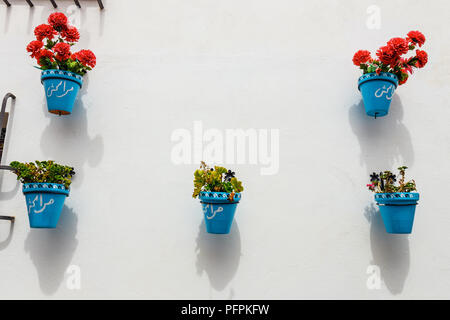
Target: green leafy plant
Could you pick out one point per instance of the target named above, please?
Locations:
(385, 182)
(217, 179)
(43, 171)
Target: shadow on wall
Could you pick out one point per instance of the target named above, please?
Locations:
(390, 252)
(218, 255)
(384, 141)
(6, 19)
(4, 243)
(51, 250)
(8, 195)
(67, 136)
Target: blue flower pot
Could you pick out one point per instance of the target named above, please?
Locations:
(377, 92)
(397, 210)
(44, 203)
(218, 211)
(61, 89)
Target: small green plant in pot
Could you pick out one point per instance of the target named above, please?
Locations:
(397, 201)
(45, 186)
(219, 192)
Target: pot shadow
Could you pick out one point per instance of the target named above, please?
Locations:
(218, 255)
(67, 136)
(51, 250)
(7, 18)
(5, 243)
(8, 195)
(384, 141)
(390, 252)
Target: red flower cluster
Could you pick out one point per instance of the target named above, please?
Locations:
(390, 57)
(71, 34)
(58, 21)
(62, 51)
(416, 37)
(422, 58)
(361, 56)
(398, 45)
(44, 31)
(44, 53)
(86, 57)
(57, 54)
(34, 47)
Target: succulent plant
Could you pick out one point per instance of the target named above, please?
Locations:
(43, 171)
(217, 179)
(385, 182)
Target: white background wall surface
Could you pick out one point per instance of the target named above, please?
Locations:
(308, 230)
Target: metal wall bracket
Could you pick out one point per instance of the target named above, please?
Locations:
(2, 117)
(3, 110)
(55, 5)
(10, 218)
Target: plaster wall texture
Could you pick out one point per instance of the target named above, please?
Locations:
(308, 229)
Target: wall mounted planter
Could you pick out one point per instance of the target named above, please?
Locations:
(397, 210)
(61, 89)
(44, 203)
(218, 211)
(377, 92)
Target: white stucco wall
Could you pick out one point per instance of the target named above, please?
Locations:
(311, 230)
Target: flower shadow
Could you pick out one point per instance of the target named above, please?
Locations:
(66, 138)
(4, 243)
(51, 250)
(390, 252)
(218, 255)
(385, 141)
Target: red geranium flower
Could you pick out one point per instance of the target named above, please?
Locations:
(399, 45)
(71, 34)
(44, 53)
(361, 56)
(34, 47)
(422, 58)
(388, 55)
(416, 37)
(62, 50)
(86, 57)
(44, 31)
(58, 21)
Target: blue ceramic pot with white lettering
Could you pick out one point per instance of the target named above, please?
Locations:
(218, 210)
(44, 203)
(397, 210)
(377, 92)
(61, 89)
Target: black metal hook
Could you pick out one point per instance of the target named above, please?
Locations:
(10, 218)
(3, 110)
(55, 5)
(2, 117)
